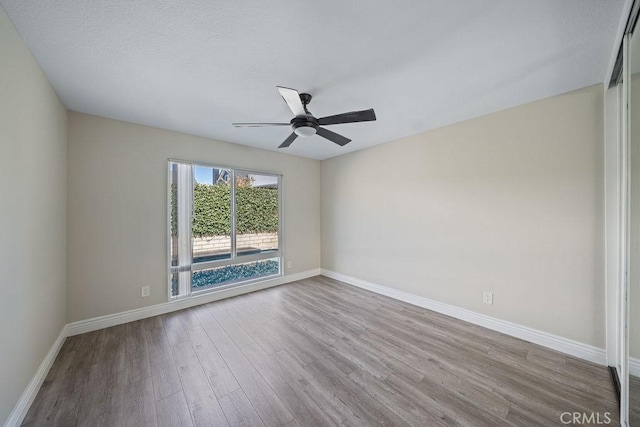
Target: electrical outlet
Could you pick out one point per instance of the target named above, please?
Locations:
(144, 291)
(487, 297)
(288, 263)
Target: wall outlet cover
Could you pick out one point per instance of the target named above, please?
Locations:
(487, 297)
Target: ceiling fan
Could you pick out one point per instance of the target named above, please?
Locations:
(304, 124)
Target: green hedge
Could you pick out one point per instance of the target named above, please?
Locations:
(257, 210)
(211, 210)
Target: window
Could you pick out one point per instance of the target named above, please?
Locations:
(224, 227)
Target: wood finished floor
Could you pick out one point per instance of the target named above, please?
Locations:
(314, 352)
(634, 401)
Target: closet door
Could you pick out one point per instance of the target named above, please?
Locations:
(633, 293)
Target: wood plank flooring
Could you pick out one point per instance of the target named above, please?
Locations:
(634, 401)
(314, 352)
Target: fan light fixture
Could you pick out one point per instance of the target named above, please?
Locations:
(305, 131)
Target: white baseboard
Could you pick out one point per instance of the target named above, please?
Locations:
(22, 406)
(554, 342)
(101, 322)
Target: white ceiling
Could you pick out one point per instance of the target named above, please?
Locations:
(197, 66)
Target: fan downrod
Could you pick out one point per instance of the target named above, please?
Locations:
(306, 99)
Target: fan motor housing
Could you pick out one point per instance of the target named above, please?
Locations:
(304, 126)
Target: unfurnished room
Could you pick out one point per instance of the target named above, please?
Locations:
(297, 213)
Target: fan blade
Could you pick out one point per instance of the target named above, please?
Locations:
(287, 142)
(259, 124)
(352, 117)
(292, 98)
(333, 137)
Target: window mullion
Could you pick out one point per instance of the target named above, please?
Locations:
(233, 215)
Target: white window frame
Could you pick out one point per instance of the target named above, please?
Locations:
(234, 258)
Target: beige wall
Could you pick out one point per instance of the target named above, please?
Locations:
(33, 216)
(118, 209)
(511, 203)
